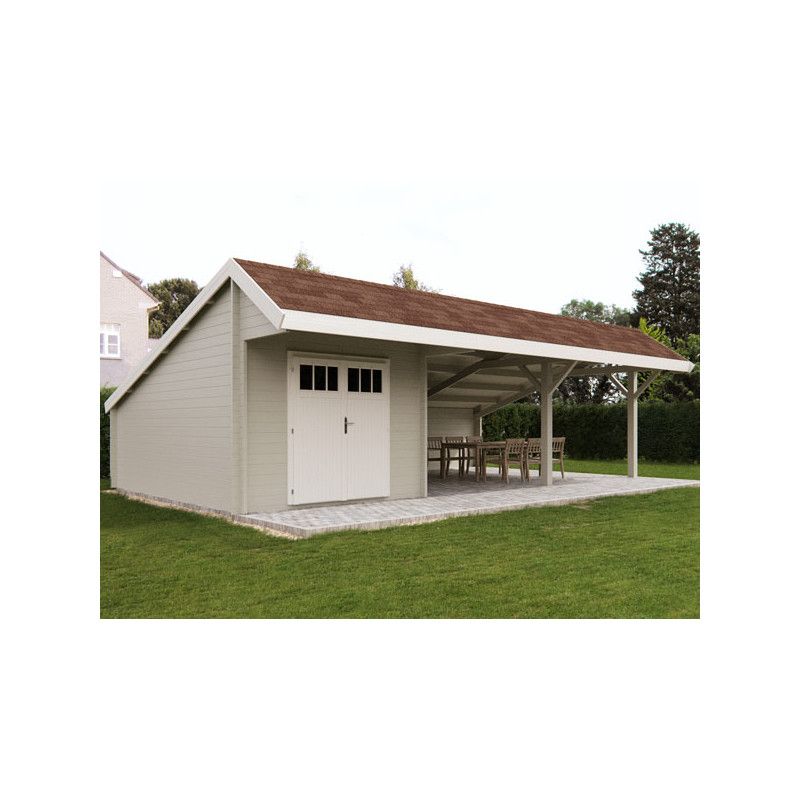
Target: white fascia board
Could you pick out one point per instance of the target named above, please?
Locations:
(414, 334)
(230, 271)
(261, 300)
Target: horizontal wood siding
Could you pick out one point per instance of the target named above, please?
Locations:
(173, 432)
(251, 321)
(450, 421)
(267, 419)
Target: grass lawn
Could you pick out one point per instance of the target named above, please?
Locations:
(636, 556)
(647, 469)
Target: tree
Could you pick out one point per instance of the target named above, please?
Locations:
(174, 295)
(675, 386)
(591, 389)
(304, 262)
(670, 293)
(405, 279)
(597, 312)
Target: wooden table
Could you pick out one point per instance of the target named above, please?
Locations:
(482, 450)
(445, 452)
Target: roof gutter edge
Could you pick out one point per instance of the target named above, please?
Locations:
(373, 329)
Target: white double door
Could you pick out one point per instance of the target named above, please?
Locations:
(338, 429)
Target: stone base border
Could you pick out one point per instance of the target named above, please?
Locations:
(235, 519)
(300, 532)
(292, 532)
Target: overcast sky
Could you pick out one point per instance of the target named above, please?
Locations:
(510, 154)
(527, 243)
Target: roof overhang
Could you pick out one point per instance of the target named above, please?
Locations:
(456, 341)
(371, 329)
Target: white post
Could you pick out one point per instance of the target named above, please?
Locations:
(633, 426)
(546, 424)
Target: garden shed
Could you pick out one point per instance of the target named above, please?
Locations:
(279, 388)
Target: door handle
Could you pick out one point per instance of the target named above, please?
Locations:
(347, 424)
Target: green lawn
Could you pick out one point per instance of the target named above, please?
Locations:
(636, 556)
(647, 469)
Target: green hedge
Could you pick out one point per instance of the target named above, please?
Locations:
(667, 431)
(105, 434)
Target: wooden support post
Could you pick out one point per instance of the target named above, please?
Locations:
(633, 426)
(546, 424)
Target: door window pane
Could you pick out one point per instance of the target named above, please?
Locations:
(319, 378)
(305, 376)
(377, 380)
(366, 380)
(333, 379)
(352, 379)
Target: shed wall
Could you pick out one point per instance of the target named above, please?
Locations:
(450, 421)
(208, 426)
(172, 434)
(267, 418)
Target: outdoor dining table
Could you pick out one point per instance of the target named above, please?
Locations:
(445, 453)
(483, 449)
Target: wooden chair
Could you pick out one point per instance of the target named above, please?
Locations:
(517, 451)
(454, 440)
(535, 453)
(558, 451)
(435, 449)
(471, 453)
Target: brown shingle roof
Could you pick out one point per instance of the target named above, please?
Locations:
(299, 290)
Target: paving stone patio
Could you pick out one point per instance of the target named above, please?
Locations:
(457, 497)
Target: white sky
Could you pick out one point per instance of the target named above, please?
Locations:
(535, 244)
(518, 152)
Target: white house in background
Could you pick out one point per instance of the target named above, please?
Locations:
(278, 387)
(125, 307)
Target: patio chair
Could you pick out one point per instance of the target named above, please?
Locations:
(516, 451)
(435, 449)
(454, 440)
(535, 453)
(471, 453)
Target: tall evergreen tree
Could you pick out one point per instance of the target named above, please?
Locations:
(670, 293)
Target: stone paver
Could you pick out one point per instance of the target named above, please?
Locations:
(454, 497)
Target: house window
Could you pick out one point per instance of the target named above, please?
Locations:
(110, 346)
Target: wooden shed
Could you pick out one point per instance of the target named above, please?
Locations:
(279, 387)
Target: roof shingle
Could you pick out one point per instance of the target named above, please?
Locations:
(318, 293)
